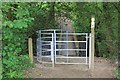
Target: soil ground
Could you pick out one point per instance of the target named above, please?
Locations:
(102, 69)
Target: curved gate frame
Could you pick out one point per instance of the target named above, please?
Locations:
(52, 43)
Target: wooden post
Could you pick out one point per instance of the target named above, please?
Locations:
(92, 42)
(30, 47)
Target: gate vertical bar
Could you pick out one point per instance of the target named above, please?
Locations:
(52, 50)
(86, 47)
(37, 43)
(40, 46)
(90, 51)
(52, 54)
(67, 43)
(55, 46)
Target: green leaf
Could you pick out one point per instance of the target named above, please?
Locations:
(20, 24)
(9, 23)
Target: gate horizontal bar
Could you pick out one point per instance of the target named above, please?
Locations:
(46, 49)
(46, 33)
(70, 41)
(46, 41)
(70, 57)
(74, 33)
(47, 56)
(69, 63)
(70, 49)
(51, 37)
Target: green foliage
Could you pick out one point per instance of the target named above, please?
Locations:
(16, 21)
(12, 66)
(106, 25)
(117, 73)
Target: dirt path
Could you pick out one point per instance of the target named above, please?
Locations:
(103, 69)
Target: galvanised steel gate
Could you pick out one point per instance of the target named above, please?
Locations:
(62, 47)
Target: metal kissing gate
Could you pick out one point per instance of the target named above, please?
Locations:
(62, 47)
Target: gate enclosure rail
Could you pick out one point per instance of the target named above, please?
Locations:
(56, 46)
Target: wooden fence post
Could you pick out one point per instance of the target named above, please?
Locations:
(30, 48)
(92, 42)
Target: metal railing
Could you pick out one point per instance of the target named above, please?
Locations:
(68, 49)
(54, 44)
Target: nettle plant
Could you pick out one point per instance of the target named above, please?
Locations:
(15, 26)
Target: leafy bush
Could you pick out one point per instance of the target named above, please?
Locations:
(117, 73)
(13, 66)
(16, 22)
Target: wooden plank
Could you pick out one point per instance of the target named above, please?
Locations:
(30, 48)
